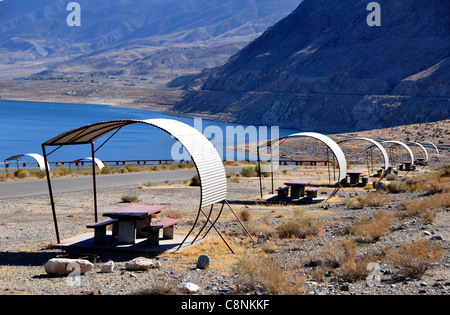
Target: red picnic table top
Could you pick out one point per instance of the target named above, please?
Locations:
(134, 212)
(298, 182)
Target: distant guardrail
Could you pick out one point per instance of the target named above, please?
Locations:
(15, 164)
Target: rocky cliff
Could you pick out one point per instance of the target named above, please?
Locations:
(324, 68)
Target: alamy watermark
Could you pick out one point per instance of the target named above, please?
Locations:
(374, 17)
(245, 139)
(73, 278)
(74, 17)
(374, 277)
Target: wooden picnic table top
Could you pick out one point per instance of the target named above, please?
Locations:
(298, 182)
(134, 212)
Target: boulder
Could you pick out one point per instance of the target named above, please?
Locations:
(108, 267)
(188, 287)
(66, 266)
(139, 263)
(203, 262)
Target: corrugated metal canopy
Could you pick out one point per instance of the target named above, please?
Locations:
(423, 148)
(337, 151)
(378, 145)
(39, 159)
(205, 157)
(435, 147)
(97, 161)
(404, 146)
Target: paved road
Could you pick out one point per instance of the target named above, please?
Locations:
(26, 188)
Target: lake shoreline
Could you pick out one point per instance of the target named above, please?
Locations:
(156, 97)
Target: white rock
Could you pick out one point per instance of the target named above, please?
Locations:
(108, 267)
(139, 263)
(189, 287)
(65, 266)
(157, 264)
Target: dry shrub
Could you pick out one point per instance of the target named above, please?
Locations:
(264, 272)
(300, 226)
(413, 259)
(444, 171)
(342, 256)
(397, 187)
(434, 183)
(245, 215)
(374, 228)
(377, 200)
(427, 207)
(354, 269)
(21, 173)
(129, 198)
(437, 186)
(370, 200)
(159, 287)
(249, 171)
(357, 203)
(262, 227)
(62, 172)
(174, 214)
(269, 247)
(429, 215)
(195, 181)
(335, 254)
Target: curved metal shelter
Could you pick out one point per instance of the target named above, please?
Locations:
(436, 148)
(423, 148)
(97, 161)
(204, 156)
(39, 159)
(331, 144)
(377, 144)
(404, 146)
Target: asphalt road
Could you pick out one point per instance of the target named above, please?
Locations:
(26, 188)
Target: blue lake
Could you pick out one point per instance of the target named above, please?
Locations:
(24, 126)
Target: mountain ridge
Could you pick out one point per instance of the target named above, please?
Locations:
(114, 33)
(323, 68)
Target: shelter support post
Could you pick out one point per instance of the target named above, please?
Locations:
(204, 225)
(271, 168)
(239, 221)
(212, 226)
(52, 201)
(94, 181)
(259, 165)
(217, 218)
(219, 233)
(192, 229)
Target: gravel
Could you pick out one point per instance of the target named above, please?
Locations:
(26, 230)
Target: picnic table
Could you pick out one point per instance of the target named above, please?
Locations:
(354, 177)
(408, 166)
(132, 219)
(297, 188)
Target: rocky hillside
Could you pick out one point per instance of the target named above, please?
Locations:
(132, 37)
(323, 68)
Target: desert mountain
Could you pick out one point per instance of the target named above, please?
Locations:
(137, 37)
(324, 68)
